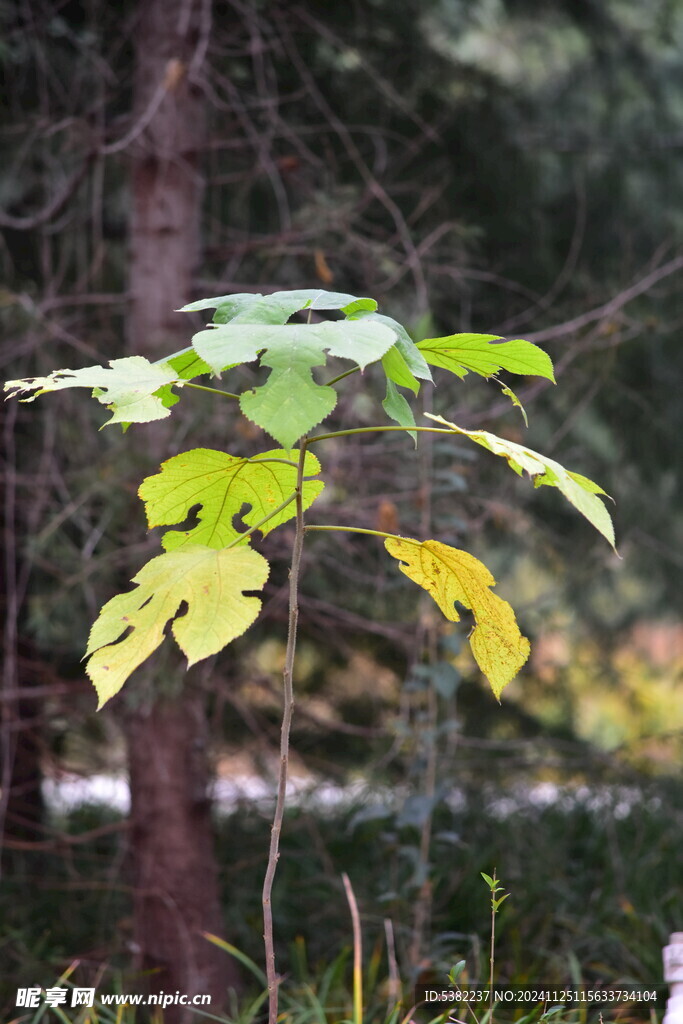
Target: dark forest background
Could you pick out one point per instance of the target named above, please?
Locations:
(498, 166)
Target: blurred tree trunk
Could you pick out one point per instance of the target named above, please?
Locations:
(176, 887)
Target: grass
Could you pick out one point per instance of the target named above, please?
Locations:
(595, 891)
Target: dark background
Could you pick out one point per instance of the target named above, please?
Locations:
(502, 167)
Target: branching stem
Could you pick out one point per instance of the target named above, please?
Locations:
(288, 707)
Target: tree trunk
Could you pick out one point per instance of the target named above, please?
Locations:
(176, 887)
(176, 890)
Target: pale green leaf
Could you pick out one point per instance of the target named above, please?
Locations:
(398, 409)
(291, 402)
(486, 354)
(128, 387)
(223, 484)
(451, 575)
(579, 490)
(211, 583)
(307, 298)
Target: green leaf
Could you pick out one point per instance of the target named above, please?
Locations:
(579, 490)
(223, 484)
(451, 575)
(487, 878)
(187, 365)
(405, 345)
(128, 387)
(397, 370)
(509, 393)
(359, 306)
(307, 298)
(291, 402)
(486, 354)
(397, 409)
(211, 583)
(456, 971)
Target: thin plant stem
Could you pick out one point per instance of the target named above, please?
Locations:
(346, 373)
(212, 391)
(262, 522)
(493, 943)
(357, 952)
(360, 529)
(376, 430)
(288, 708)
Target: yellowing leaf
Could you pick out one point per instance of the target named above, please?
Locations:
(450, 575)
(579, 490)
(486, 354)
(211, 583)
(127, 387)
(222, 484)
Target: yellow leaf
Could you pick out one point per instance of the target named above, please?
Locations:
(450, 575)
(211, 583)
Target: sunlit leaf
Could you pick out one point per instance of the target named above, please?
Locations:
(486, 354)
(127, 387)
(222, 485)
(509, 393)
(211, 583)
(450, 575)
(577, 489)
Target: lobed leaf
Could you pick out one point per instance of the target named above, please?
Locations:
(291, 402)
(223, 484)
(577, 489)
(486, 354)
(307, 298)
(128, 387)
(211, 583)
(451, 575)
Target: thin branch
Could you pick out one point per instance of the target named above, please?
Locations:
(288, 708)
(51, 209)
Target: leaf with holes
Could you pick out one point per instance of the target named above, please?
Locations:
(128, 387)
(223, 484)
(450, 575)
(486, 354)
(291, 402)
(577, 489)
(211, 583)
